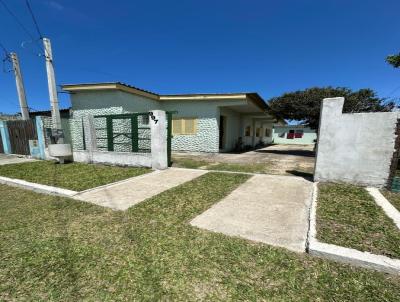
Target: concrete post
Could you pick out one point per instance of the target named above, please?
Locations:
(90, 133)
(5, 137)
(20, 86)
(158, 126)
(41, 138)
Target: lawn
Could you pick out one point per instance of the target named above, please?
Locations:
(348, 216)
(73, 176)
(53, 248)
(393, 198)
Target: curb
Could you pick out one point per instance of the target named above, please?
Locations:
(386, 206)
(37, 187)
(343, 254)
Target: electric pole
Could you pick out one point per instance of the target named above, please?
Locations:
(55, 112)
(20, 86)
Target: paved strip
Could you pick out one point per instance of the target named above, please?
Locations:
(267, 209)
(121, 196)
(7, 159)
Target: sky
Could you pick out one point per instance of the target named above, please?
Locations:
(171, 47)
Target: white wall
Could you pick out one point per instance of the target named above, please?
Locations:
(355, 148)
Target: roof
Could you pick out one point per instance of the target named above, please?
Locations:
(64, 111)
(253, 96)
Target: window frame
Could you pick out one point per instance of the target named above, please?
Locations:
(183, 125)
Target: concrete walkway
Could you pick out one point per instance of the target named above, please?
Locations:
(124, 194)
(269, 209)
(6, 159)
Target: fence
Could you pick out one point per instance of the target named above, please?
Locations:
(20, 132)
(125, 139)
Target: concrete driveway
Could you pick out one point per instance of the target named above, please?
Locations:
(281, 159)
(6, 159)
(272, 209)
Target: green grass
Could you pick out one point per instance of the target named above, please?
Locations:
(248, 168)
(348, 216)
(188, 163)
(59, 249)
(73, 176)
(393, 198)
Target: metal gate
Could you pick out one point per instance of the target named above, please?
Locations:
(20, 133)
(128, 132)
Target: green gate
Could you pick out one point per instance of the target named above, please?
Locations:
(128, 132)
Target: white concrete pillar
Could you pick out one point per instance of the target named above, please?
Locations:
(331, 110)
(158, 126)
(90, 133)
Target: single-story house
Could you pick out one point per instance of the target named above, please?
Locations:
(202, 123)
(294, 134)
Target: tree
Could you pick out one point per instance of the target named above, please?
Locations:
(304, 105)
(394, 60)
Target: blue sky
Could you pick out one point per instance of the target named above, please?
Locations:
(263, 46)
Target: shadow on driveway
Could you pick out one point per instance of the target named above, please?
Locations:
(305, 153)
(306, 175)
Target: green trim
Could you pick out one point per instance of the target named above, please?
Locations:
(135, 133)
(110, 139)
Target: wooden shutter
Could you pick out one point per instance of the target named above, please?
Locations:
(189, 126)
(176, 126)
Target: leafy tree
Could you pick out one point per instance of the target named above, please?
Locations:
(304, 105)
(394, 60)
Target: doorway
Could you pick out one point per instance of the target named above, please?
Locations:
(222, 129)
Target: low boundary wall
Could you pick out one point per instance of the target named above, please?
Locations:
(114, 158)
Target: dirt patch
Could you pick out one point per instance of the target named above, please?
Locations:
(278, 159)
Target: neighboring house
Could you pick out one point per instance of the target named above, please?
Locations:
(203, 122)
(294, 134)
(64, 113)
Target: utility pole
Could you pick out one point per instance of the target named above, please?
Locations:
(55, 112)
(20, 86)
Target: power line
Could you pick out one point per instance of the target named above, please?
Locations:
(20, 23)
(34, 19)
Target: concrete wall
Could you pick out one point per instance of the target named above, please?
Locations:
(355, 148)
(113, 158)
(280, 136)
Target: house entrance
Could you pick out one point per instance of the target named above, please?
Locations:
(222, 126)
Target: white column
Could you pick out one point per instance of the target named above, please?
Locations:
(90, 133)
(158, 126)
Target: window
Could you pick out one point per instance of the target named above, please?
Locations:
(268, 132)
(184, 125)
(298, 134)
(290, 135)
(247, 131)
(258, 132)
(145, 119)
